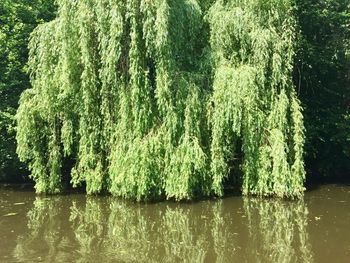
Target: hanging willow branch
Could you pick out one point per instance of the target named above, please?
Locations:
(153, 99)
(254, 99)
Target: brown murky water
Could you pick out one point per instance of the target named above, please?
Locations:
(76, 228)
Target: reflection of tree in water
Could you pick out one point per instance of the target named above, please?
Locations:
(184, 240)
(88, 222)
(107, 229)
(154, 233)
(44, 240)
(63, 229)
(278, 230)
(223, 234)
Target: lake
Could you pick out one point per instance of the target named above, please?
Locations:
(80, 228)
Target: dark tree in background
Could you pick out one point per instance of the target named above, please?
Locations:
(18, 18)
(322, 76)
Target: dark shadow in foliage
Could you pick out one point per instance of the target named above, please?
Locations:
(322, 76)
(18, 18)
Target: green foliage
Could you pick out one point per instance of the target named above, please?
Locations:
(255, 104)
(322, 76)
(17, 20)
(153, 99)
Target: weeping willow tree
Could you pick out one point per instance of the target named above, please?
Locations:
(256, 116)
(116, 89)
(131, 97)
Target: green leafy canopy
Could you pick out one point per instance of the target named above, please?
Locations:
(159, 99)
